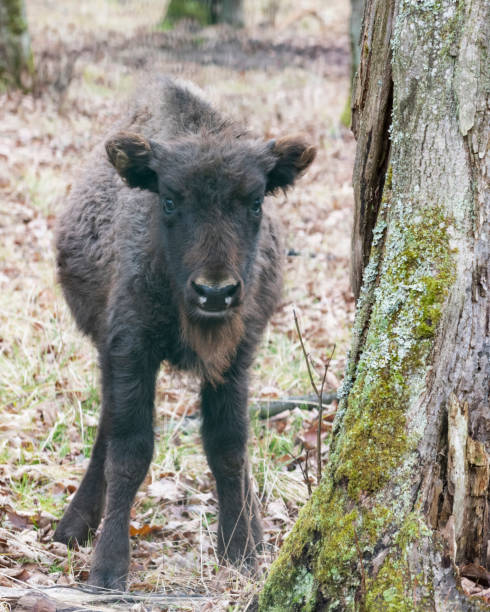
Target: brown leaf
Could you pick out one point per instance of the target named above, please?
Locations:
(19, 521)
(19, 573)
(144, 530)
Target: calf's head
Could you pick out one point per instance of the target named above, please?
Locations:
(211, 190)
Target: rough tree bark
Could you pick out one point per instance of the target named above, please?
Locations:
(405, 495)
(355, 23)
(16, 63)
(207, 12)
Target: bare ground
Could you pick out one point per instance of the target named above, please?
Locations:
(287, 78)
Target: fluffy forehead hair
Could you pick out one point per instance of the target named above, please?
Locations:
(241, 164)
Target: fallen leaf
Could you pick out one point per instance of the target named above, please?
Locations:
(166, 489)
(144, 530)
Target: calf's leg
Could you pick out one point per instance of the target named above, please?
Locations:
(128, 380)
(225, 434)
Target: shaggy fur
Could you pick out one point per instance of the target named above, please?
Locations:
(172, 208)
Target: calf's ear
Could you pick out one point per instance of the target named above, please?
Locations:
(291, 156)
(132, 157)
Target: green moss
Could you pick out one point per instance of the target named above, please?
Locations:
(17, 63)
(325, 545)
(388, 183)
(345, 117)
(377, 434)
(333, 563)
(387, 591)
(413, 529)
(287, 589)
(435, 290)
(187, 9)
(390, 589)
(415, 275)
(17, 23)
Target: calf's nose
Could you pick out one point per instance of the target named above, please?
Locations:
(216, 296)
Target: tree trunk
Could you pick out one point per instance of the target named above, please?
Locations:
(206, 12)
(356, 13)
(405, 495)
(355, 23)
(16, 63)
(228, 11)
(371, 116)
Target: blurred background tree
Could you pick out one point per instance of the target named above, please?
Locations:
(206, 12)
(16, 61)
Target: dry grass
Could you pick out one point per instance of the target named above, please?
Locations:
(91, 54)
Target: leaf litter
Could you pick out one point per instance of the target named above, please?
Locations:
(278, 80)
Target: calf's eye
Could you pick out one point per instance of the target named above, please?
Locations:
(169, 206)
(256, 206)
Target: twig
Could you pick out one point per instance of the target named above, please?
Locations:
(304, 470)
(319, 395)
(307, 358)
(269, 408)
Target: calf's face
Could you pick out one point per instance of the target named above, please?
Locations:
(211, 192)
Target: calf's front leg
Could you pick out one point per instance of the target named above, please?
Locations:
(225, 434)
(128, 381)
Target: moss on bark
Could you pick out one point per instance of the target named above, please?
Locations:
(334, 532)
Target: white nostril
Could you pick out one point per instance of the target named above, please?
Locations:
(202, 300)
(228, 300)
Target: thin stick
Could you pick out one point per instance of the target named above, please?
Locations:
(319, 394)
(307, 359)
(270, 408)
(304, 470)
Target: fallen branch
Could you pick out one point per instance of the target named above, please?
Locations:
(68, 599)
(265, 410)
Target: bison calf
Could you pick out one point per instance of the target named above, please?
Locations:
(178, 261)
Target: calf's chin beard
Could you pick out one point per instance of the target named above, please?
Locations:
(215, 342)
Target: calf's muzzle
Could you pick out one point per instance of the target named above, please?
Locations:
(215, 296)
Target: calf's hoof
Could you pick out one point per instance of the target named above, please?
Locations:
(73, 530)
(241, 555)
(108, 578)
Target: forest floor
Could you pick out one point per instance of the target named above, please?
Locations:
(286, 72)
